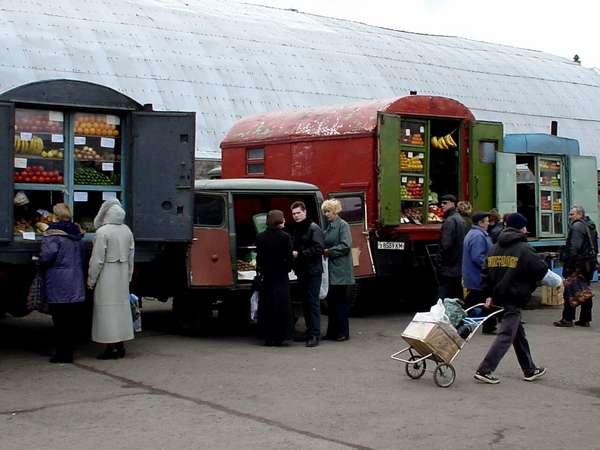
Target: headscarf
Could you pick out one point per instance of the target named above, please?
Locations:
(111, 211)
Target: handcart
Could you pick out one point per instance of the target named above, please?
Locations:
(440, 343)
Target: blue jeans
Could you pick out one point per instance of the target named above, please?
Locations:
(308, 288)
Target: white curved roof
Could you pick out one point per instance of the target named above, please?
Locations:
(225, 60)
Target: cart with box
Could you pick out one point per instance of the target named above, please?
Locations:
(439, 342)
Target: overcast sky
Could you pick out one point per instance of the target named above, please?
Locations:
(563, 28)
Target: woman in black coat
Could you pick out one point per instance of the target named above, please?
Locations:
(273, 263)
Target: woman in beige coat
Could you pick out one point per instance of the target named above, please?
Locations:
(110, 271)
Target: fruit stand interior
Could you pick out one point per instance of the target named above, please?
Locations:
(250, 219)
(63, 157)
(427, 168)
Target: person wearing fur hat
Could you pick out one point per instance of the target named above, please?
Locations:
(110, 272)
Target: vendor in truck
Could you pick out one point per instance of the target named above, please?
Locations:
(452, 236)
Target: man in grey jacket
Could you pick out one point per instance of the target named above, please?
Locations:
(452, 236)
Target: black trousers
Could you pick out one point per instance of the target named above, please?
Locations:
(67, 319)
(338, 304)
(511, 333)
(450, 287)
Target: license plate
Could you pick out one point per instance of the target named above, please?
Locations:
(382, 245)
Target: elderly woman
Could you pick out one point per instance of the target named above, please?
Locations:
(62, 262)
(338, 250)
(273, 263)
(110, 271)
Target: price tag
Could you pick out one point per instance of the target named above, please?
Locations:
(421, 156)
(113, 120)
(422, 130)
(58, 138)
(108, 195)
(407, 132)
(421, 180)
(20, 163)
(404, 179)
(55, 116)
(28, 235)
(107, 142)
(26, 136)
(80, 140)
(558, 176)
(410, 154)
(108, 167)
(80, 196)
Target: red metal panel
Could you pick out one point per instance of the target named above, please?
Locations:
(210, 261)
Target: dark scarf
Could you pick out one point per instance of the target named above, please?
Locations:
(66, 226)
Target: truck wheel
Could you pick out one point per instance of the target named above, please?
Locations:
(191, 314)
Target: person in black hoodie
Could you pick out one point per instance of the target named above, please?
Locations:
(510, 275)
(307, 238)
(579, 259)
(452, 236)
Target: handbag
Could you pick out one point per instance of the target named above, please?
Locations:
(136, 312)
(36, 297)
(577, 290)
(324, 289)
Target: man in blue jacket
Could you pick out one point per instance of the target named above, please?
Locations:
(476, 246)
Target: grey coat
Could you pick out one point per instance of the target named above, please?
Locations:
(453, 234)
(110, 271)
(338, 240)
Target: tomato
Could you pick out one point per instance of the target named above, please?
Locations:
(60, 179)
(33, 179)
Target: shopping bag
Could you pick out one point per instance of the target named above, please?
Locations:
(136, 312)
(324, 280)
(36, 298)
(437, 313)
(253, 305)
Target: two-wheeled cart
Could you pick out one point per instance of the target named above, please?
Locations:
(438, 342)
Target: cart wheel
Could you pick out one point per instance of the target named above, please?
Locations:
(444, 375)
(415, 370)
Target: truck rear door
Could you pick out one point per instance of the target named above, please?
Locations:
(354, 211)
(486, 140)
(209, 258)
(506, 183)
(388, 149)
(7, 128)
(583, 180)
(161, 189)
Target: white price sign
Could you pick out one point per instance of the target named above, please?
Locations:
(20, 163)
(28, 235)
(410, 154)
(26, 136)
(422, 130)
(113, 120)
(421, 156)
(80, 140)
(109, 195)
(108, 167)
(407, 132)
(404, 179)
(80, 196)
(55, 116)
(421, 180)
(58, 138)
(107, 142)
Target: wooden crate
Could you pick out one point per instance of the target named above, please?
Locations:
(439, 338)
(552, 296)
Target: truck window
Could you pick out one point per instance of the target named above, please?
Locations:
(352, 209)
(255, 161)
(209, 210)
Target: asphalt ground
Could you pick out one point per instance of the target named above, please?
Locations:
(226, 391)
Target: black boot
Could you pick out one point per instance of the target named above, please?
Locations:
(110, 352)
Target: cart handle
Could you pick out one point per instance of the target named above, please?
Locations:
(497, 308)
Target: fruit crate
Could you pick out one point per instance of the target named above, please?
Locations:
(411, 187)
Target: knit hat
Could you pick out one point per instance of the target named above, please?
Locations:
(479, 216)
(516, 220)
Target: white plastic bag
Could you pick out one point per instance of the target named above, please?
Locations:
(136, 312)
(324, 280)
(437, 313)
(253, 305)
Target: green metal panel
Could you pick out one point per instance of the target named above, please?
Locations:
(583, 182)
(484, 136)
(506, 185)
(388, 148)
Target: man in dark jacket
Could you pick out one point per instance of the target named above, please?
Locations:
(579, 257)
(511, 273)
(308, 247)
(453, 233)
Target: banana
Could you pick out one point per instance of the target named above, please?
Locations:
(442, 143)
(450, 141)
(434, 142)
(17, 144)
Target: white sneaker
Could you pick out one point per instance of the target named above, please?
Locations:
(539, 372)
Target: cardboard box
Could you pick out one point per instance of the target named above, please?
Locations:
(438, 338)
(552, 296)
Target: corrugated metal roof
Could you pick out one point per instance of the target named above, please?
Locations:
(226, 60)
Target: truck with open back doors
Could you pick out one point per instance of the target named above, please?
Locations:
(81, 144)
(388, 162)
